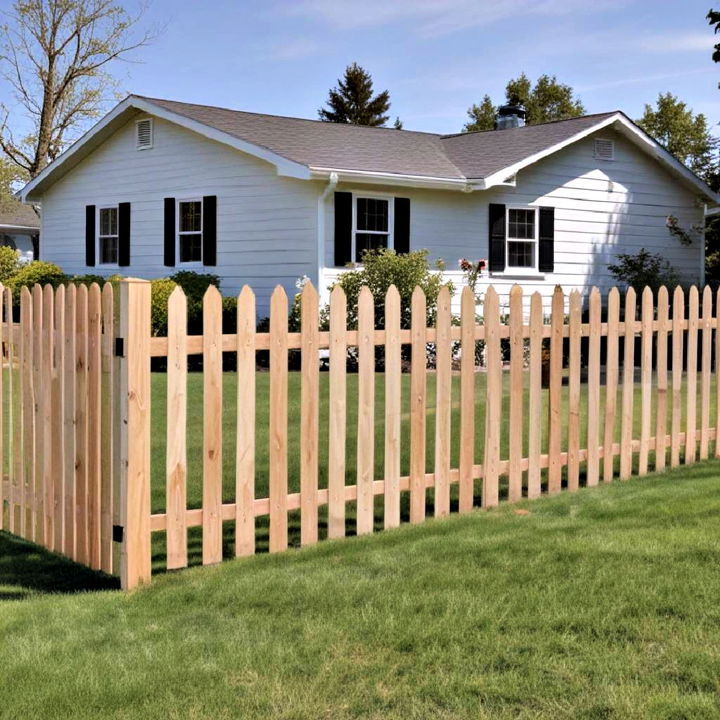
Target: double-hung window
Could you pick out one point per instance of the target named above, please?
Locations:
(522, 239)
(190, 230)
(108, 235)
(372, 225)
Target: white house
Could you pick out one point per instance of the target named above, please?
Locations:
(158, 186)
(19, 228)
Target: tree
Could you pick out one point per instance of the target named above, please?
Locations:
(713, 18)
(54, 56)
(352, 100)
(687, 136)
(398, 124)
(9, 176)
(548, 100)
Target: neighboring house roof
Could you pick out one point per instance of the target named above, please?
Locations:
(15, 215)
(310, 149)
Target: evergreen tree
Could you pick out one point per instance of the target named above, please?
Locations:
(398, 124)
(352, 100)
(548, 100)
(686, 135)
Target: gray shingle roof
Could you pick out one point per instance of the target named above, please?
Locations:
(384, 150)
(15, 214)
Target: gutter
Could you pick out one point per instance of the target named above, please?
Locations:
(377, 178)
(333, 180)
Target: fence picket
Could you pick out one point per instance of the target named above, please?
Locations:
(366, 412)
(47, 470)
(278, 420)
(467, 400)
(309, 416)
(555, 393)
(611, 383)
(443, 403)
(692, 356)
(81, 426)
(706, 369)
(58, 410)
(646, 343)
(661, 379)
(338, 413)
(493, 401)
(176, 428)
(212, 426)
(418, 373)
(94, 467)
(717, 373)
(69, 439)
(39, 400)
(593, 418)
(393, 399)
(107, 431)
(28, 414)
(678, 317)
(535, 396)
(14, 423)
(573, 427)
(245, 452)
(515, 477)
(3, 404)
(628, 387)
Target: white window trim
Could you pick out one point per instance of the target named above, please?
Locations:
(99, 237)
(514, 269)
(178, 232)
(152, 134)
(391, 221)
(612, 145)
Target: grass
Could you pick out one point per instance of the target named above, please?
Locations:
(598, 604)
(195, 435)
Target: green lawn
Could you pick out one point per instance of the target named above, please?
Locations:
(195, 434)
(599, 604)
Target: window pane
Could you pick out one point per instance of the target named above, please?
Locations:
(108, 221)
(521, 254)
(367, 241)
(521, 224)
(372, 214)
(190, 214)
(108, 250)
(191, 248)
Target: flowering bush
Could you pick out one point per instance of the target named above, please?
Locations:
(472, 272)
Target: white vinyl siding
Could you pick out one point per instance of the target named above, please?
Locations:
(266, 225)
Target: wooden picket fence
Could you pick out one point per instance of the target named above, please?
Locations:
(56, 422)
(76, 443)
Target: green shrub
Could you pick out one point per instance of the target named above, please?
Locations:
(383, 268)
(194, 286)
(160, 291)
(644, 269)
(37, 272)
(88, 279)
(9, 264)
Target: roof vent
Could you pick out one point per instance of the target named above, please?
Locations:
(510, 116)
(143, 134)
(604, 149)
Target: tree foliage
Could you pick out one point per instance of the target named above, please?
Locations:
(545, 101)
(686, 135)
(644, 269)
(352, 101)
(54, 56)
(713, 18)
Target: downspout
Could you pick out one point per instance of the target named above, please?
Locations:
(330, 187)
(702, 246)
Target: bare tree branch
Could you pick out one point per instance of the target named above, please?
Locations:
(54, 56)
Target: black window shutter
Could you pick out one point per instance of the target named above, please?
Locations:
(209, 236)
(401, 231)
(343, 228)
(124, 234)
(169, 232)
(546, 252)
(496, 223)
(90, 235)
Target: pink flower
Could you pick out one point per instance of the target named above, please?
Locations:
(465, 265)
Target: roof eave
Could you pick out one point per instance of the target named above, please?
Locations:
(394, 179)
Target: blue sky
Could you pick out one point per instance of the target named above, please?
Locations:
(436, 57)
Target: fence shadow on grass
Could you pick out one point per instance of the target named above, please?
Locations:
(28, 570)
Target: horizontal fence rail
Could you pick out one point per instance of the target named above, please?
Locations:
(356, 422)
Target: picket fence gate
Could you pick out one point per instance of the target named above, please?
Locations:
(75, 431)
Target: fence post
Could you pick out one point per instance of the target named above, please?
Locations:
(132, 415)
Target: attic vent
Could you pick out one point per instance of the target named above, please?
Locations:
(604, 149)
(143, 134)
